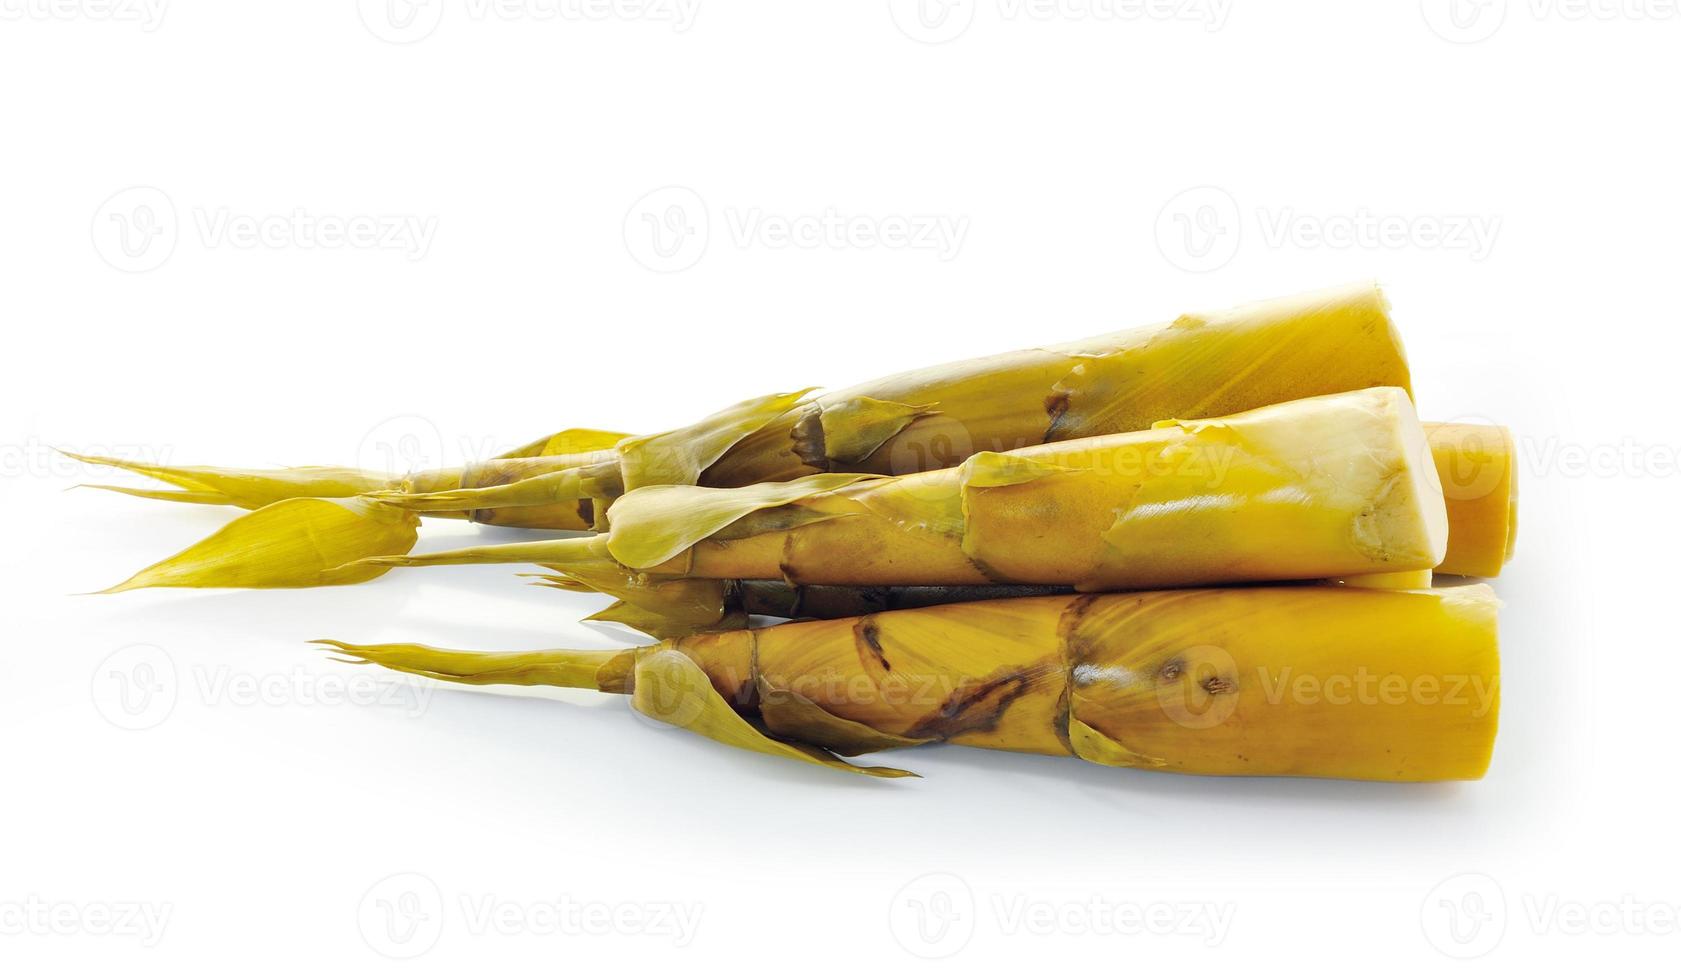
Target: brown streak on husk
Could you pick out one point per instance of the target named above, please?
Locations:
(868, 635)
(1070, 646)
(965, 709)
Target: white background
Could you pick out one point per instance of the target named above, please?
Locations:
(1509, 175)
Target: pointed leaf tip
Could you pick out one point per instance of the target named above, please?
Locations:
(127, 585)
(296, 543)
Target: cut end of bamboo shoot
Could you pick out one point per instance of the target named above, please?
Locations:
(1477, 465)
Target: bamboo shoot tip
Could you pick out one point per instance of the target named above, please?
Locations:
(136, 581)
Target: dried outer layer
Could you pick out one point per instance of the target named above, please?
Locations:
(1299, 681)
(1199, 365)
(1477, 467)
(1323, 487)
(1327, 487)
(1474, 464)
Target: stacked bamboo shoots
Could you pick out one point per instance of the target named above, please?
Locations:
(980, 551)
